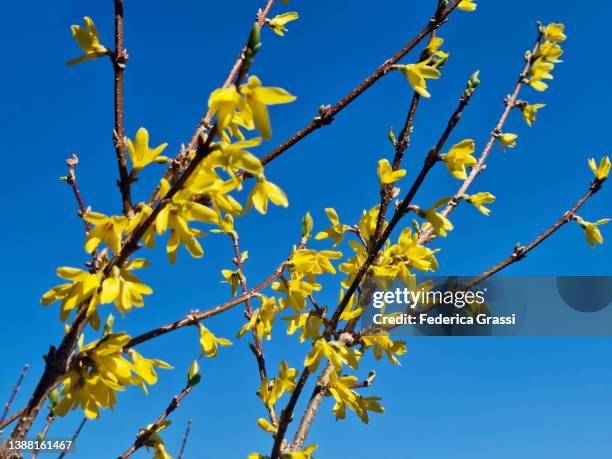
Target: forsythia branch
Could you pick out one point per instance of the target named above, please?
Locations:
(326, 113)
(510, 103)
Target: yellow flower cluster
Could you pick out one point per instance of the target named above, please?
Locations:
(121, 287)
(103, 370)
(340, 387)
(547, 56)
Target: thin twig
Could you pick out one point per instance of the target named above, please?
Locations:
(75, 435)
(257, 344)
(119, 59)
(11, 419)
(185, 438)
(521, 251)
(326, 113)
(72, 181)
(43, 433)
(145, 434)
(16, 387)
(510, 103)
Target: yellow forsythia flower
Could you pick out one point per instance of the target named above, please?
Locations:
(336, 352)
(139, 151)
(529, 112)
(550, 51)
(554, 32)
(540, 70)
(209, 342)
(107, 230)
(297, 290)
(257, 98)
(386, 174)
(336, 231)
(467, 5)
(262, 319)
(232, 278)
(507, 140)
(277, 23)
(416, 75)
(266, 426)
(436, 220)
(265, 191)
(88, 40)
(105, 370)
(382, 343)
(459, 157)
(223, 102)
(234, 156)
(478, 199)
(601, 172)
(591, 230)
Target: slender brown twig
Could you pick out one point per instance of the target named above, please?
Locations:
(72, 181)
(326, 113)
(145, 434)
(16, 387)
(184, 441)
(510, 103)
(11, 419)
(520, 251)
(75, 435)
(257, 347)
(43, 433)
(119, 58)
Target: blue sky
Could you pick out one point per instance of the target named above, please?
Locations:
(460, 398)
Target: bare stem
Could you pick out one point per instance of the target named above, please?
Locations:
(119, 59)
(521, 251)
(16, 387)
(184, 441)
(145, 434)
(43, 433)
(75, 435)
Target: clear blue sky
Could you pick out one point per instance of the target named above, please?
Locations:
(459, 398)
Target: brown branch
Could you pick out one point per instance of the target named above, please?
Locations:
(75, 435)
(521, 251)
(257, 347)
(185, 438)
(326, 113)
(119, 59)
(510, 103)
(145, 434)
(287, 414)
